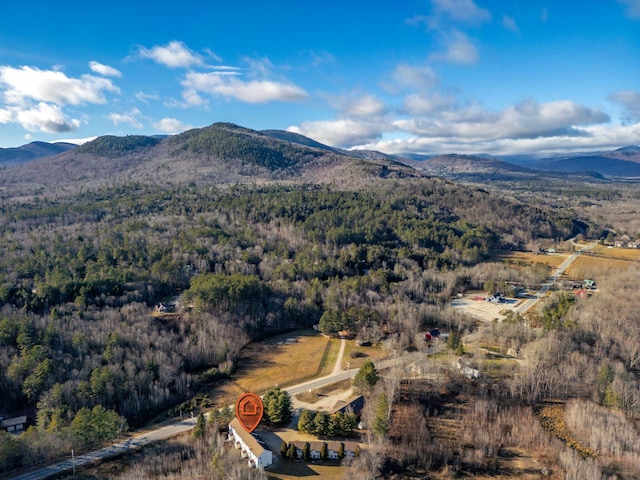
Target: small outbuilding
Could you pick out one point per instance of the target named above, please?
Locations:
(15, 424)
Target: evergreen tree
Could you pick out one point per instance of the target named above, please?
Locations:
(324, 451)
(381, 420)
(277, 406)
(292, 454)
(306, 452)
(200, 428)
(366, 377)
(305, 421)
(321, 423)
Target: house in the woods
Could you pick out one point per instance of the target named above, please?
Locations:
(15, 424)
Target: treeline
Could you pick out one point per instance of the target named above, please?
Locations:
(110, 145)
(230, 142)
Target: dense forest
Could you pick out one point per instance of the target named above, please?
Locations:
(80, 275)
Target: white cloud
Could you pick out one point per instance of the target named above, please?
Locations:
(229, 86)
(320, 57)
(21, 84)
(42, 117)
(510, 24)
(523, 128)
(258, 67)
(630, 101)
(463, 11)
(145, 97)
(77, 141)
(342, 132)
(528, 119)
(174, 55)
(421, 105)
(632, 8)
(358, 106)
(129, 118)
(6, 115)
(598, 137)
(458, 49)
(418, 77)
(171, 125)
(105, 70)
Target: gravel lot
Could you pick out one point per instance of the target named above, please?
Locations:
(472, 304)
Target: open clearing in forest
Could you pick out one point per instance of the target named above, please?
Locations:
(284, 360)
(632, 254)
(526, 259)
(602, 261)
(474, 305)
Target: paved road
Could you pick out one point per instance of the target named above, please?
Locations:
(161, 433)
(544, 288)
(171, 430)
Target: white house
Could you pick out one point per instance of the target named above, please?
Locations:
(333, 448)
(257, 455)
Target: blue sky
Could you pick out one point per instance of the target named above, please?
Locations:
(421, 76)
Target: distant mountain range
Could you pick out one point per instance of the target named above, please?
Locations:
(224, 151)
(623, 162)
(31, 151)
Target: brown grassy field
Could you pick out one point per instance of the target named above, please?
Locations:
(632, 254)
(602, 263)
(373, 353)
(523, 259)
(284, 470)
(275, 361)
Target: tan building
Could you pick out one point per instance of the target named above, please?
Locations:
(257, 455)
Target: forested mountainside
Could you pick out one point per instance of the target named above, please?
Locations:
(216, 155)
(82, 268)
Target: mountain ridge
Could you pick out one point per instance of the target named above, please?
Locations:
(221, 153)
(272, 150)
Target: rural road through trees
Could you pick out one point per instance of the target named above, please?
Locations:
(184, 425)
(544, 288)
(169, 430)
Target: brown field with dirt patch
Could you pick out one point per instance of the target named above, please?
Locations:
(362, 354)
(278, 361)
(523, 259)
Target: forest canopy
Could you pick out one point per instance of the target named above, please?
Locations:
(80, 275)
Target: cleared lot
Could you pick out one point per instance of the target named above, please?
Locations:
(474, 305)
